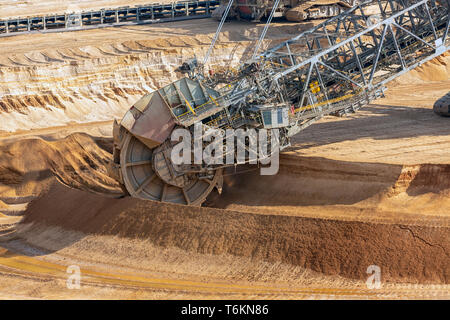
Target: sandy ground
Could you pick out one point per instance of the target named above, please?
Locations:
(368, 189)
(59, 79)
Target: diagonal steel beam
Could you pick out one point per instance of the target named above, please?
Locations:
(340, 74)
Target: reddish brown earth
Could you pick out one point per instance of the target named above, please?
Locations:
(310, 231)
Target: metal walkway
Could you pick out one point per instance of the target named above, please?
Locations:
(147, 14)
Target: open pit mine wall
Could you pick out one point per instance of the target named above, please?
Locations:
(83, 20)
(93, 83)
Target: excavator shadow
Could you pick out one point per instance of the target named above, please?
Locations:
(376, 121)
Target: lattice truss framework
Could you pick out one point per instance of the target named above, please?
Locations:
(345, 62)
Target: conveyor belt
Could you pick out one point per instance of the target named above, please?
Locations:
(147, 14)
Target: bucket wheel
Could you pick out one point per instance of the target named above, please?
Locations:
(144, 176)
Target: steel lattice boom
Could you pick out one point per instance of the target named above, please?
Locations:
(333, 68)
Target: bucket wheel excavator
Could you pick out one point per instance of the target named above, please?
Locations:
(334, 68)
(142, 147)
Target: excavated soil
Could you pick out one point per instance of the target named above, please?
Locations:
(368, 189)
(332, 247)
(77, 161)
